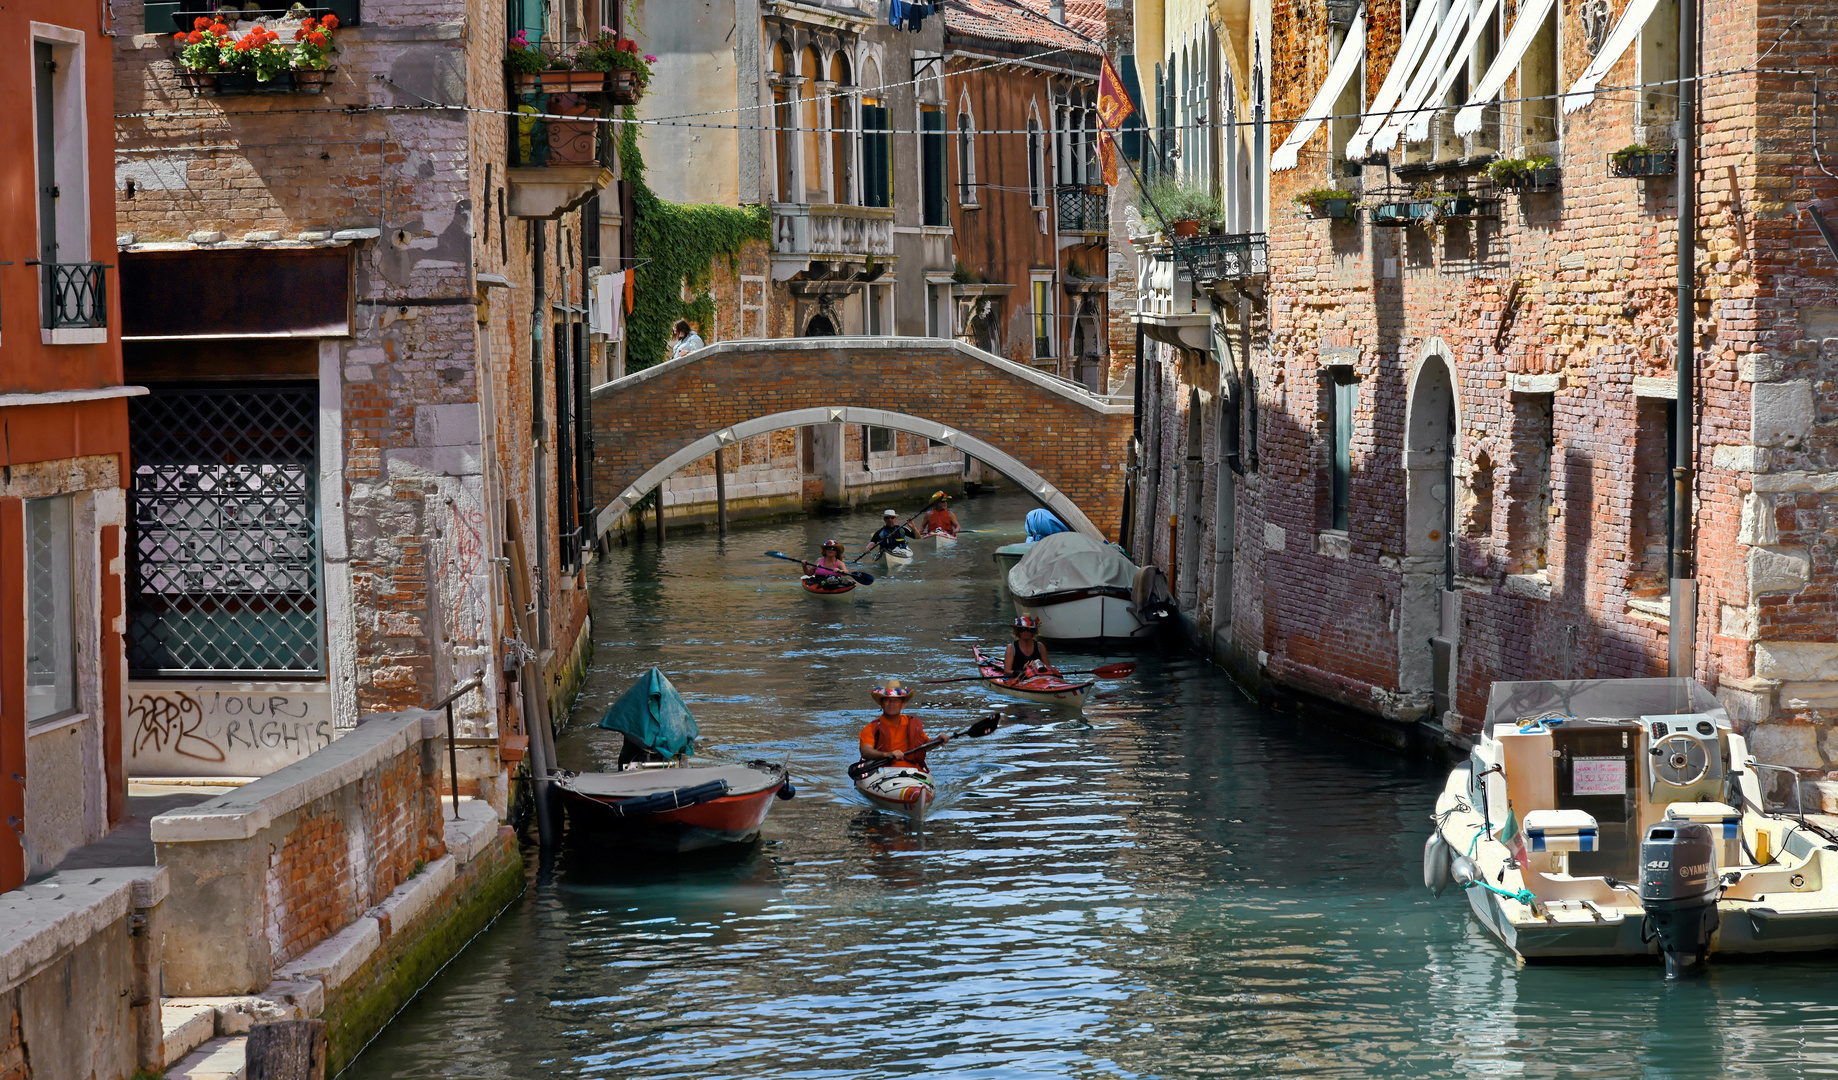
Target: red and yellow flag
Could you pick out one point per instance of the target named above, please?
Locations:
(1114, 107)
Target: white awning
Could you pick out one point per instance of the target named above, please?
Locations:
(1422, 25)
(1419, 128)
(1632, 19)
(1346, 62)
(1448, 33)
(1532, 15)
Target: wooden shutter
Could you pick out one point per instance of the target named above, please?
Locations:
(932, 153)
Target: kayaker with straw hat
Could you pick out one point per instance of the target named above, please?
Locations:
(939, 518)
(828, 565)
(890, 735)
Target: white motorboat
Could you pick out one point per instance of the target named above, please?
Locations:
(1625, 818)
(899, 789)
(1081, 589)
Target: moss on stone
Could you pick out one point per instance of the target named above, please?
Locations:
(412, 956)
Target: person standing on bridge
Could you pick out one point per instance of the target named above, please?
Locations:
(939, 518)
(686, 340)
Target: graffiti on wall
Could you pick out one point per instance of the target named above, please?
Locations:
(225, 730)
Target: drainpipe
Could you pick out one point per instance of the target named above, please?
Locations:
(1682, 623)
(539, 436)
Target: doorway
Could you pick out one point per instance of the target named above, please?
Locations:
(1429, 614)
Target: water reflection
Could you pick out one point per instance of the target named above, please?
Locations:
(1174, 885)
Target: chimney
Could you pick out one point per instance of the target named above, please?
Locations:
(1056, 10)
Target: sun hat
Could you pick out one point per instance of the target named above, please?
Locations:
(890, 513)
(828, 544)
(1027, 622)
(939, 496)
(891, 688)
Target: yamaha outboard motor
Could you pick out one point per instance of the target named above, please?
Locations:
(1678, 889)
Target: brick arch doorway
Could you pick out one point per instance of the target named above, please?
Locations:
(994, 457)
(1429, 607)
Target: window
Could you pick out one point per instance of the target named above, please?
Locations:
(1343, 391)
(1538, 86)
(71, 286)
(1528, 521)
(810, 125)
(1043, 317)
(1036, 166)
(223, 531)
(1659, 72)
(877, 155)
(966, 158)
(880, 440)
(932, 170)
(752, 305)
(51, 651)
(1650, 534)
(842, 157)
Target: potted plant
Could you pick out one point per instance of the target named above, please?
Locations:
(1327, 202)
(626, 72)
(562, 77)
(1181, 207)
(1524, 174)
(312, 53)
(257, 62)
(524, 64)
(200, 53)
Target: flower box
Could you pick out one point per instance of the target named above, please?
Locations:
(1332, 209)
(1543, 178)
(1643, 163)
(527, 84)
(623, 85)
(239, 83)
(313, 80)
(1394, 215)
(1185, 228)
(200, 83)
(573, 82)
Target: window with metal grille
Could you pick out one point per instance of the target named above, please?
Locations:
(223, 515)
(51, 651)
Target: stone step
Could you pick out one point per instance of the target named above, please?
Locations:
(186, 1025)
(219, 1059)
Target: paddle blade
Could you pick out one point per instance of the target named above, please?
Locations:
(862, 576)
(1114, 671)
(984, 726)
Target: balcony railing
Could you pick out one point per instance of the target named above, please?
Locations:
(1083, 208)
(831, 229)
(76, 296)
(1225, 258)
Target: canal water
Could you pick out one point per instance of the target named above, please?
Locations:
(1174, 884)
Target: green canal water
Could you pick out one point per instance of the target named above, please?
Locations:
(1175, 884)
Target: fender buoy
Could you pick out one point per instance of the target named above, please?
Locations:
(786, 791)
(1436, 864)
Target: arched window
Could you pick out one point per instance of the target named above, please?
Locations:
(1036, 160)
(877, 141)
(966, 154)
(810, 125)
(842, 130)
(784, 149)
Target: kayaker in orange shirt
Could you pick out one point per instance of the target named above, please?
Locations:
(939, 518)
(890, 735)
(1026, 655)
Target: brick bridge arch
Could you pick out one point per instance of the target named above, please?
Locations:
(1063, 444)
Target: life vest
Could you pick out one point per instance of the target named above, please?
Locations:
(882, 733)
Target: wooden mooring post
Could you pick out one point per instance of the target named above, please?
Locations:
(721, 497)
(659, 494)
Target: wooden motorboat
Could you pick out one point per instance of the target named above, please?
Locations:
(896, 557)
(899, 789)
(1626, 818)
(828, 585)
(673, 809)
(1040, 689)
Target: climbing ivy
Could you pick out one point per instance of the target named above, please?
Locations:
(676, 244)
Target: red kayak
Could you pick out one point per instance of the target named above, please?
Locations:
(834, 585)
(1044, 689)
(674, 809)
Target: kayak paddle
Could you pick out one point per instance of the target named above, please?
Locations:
(975, 731)
(1108, 671)
(860, 575)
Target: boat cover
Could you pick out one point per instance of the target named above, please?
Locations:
(1042, 524)
(653, 714)
(740, 779)
(1584, 700)
(1068, 561)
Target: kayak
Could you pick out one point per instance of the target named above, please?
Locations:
(896, 557)
(941, 539)
(673, 809)
(899, 789)
(833, 585)
(1040, 689)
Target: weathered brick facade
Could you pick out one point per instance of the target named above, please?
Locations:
(1551, 329)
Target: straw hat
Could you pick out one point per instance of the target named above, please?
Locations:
(891, 688)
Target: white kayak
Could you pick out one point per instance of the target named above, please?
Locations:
(896, 557)
(899, 789)
(941, 539)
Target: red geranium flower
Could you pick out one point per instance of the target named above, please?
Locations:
(193, 38)
(219, 28)
(318, 39)
(330, 22)
(309, 22)
(200, 22)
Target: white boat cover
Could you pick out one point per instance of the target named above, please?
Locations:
(1530, 20)
(741, 780)
(1633, 18)
(1066, 561)
(1346, 62)
(1397, 79)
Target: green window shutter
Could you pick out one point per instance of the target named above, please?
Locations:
(932, 143)
(1346, 403)
(876, 166)
(526, 15)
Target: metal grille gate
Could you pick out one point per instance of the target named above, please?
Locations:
(223, 512)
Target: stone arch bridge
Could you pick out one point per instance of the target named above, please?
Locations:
(1056, 439)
